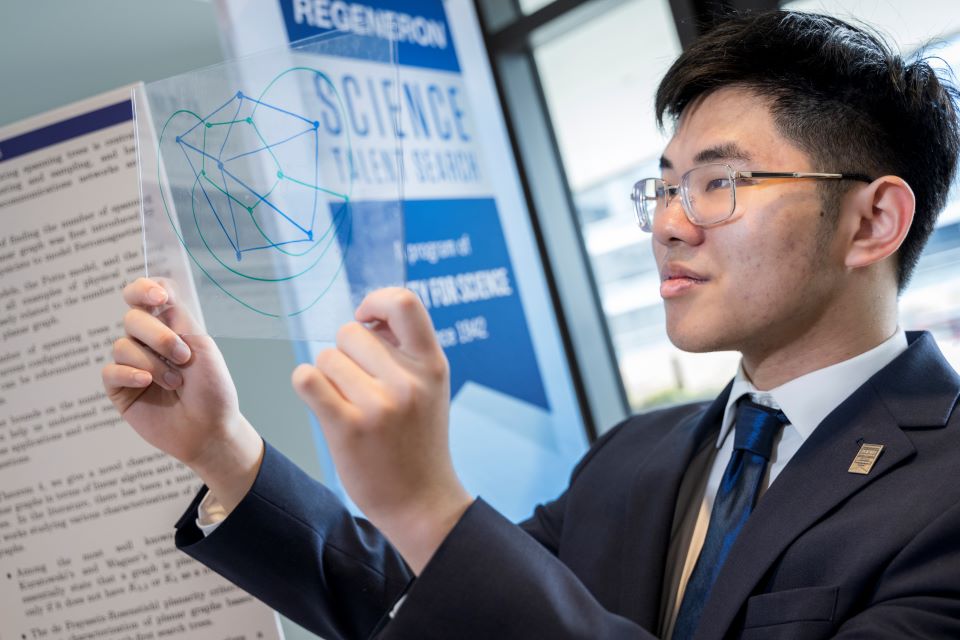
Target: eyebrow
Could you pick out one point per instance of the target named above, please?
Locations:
(723, 151)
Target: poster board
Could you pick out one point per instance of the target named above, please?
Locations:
(86, 507)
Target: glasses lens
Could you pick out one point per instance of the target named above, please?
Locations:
(708, 193)
(647, 194)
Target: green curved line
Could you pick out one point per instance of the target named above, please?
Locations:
(235, 199)
(316, 188)
(234, 271)
(343, 110)
(346, 197)
(343, 261)
(345, 216)
(290, 253)
(265, 196)
(166, 210)
(266, 145)
(221, 190)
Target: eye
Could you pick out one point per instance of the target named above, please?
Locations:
(717, 183)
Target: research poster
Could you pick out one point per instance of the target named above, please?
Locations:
(86, 507)
(516, 428)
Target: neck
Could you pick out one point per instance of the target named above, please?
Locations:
(831, 340)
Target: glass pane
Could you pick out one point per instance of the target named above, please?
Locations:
(908, 24)
(532, 6)
(932, 301)
(247, 199)
(599, 80)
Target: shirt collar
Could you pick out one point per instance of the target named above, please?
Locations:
(809, 399)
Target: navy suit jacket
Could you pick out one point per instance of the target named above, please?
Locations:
(825, 553)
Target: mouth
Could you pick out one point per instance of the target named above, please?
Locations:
(676, 281)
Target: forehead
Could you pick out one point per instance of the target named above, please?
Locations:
(734, 121)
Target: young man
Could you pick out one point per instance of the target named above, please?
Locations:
(815, 497)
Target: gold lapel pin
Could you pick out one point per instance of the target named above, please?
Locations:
(865, 459)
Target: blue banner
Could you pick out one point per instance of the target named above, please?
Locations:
(459, 265)
(420, 29)
(433, 120)
(457, 255)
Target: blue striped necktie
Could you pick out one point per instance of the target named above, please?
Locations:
(755, 429)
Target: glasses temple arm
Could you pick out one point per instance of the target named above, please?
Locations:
(794, 174)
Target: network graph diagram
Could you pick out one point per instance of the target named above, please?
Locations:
(249, 193)
(259, 212)
(214, 166)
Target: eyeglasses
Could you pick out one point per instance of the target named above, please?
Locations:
(708, 193)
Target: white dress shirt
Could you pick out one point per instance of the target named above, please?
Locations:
(210, 513)
(806, 401)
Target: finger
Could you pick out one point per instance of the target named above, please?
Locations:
(145, 293)
(121, 376)
(178, 318)
(369, 351)
(135, 355)
(354, 384)
(158, 297)
(321, 396)
(177, 312)
(152, 332)
(405, 316)
(382, 331)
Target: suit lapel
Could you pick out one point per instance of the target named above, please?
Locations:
(650, 509)
(917, 389)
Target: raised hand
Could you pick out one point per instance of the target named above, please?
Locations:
(382, 397)
(172, 386)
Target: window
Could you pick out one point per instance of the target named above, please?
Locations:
(532, 6)
(599, 79)
(932, 301)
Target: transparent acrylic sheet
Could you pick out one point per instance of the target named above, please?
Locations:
(251, 213)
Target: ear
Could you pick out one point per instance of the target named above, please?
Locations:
(883, 215)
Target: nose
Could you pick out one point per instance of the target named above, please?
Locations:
(671, 225)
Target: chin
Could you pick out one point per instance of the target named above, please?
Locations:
(698, 339)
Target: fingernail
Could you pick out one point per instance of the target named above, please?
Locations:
(142, 379)
(181, 353)
(172, 378)
(156, 295)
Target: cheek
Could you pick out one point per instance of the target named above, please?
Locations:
(790, 277)
(760, 278)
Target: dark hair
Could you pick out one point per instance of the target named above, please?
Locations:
(842, 94)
